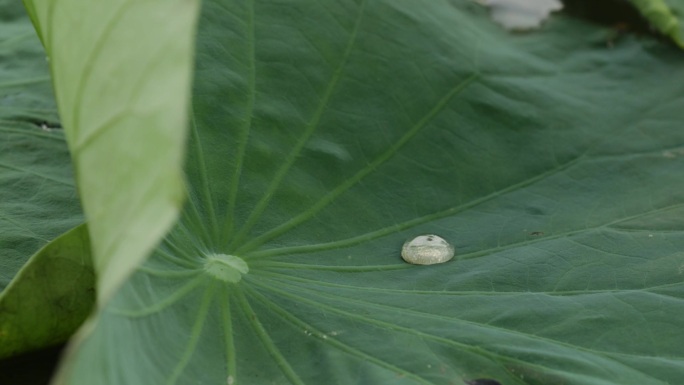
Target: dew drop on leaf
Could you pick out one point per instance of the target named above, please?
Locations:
(427, 250)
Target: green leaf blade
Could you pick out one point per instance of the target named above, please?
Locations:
(50, 296)
(110, 90)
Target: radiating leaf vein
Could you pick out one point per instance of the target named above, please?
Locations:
(309, 130)
(299, 324)
(229, 221)
(268, 343)
(370, 168)
(195, 333)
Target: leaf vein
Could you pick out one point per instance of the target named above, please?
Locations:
(370, 168)
(311, 127)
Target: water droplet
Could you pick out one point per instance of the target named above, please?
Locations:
(225, 267)
(427, 250)
(231, 380)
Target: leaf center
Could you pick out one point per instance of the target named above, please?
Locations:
(224, 267)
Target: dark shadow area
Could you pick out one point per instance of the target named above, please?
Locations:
(607, 12)
(35, 368)
(618, 14)
(483, 381)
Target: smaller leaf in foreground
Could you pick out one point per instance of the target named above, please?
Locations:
(123, 90)
(50, 297)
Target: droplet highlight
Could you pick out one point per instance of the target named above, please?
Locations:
(427, 249)
(224, 267)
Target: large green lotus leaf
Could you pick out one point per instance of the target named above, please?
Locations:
(38, 199)
(118, 80)
(50, 297)
(327, 133)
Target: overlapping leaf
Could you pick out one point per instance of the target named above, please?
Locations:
(326, 133)
(50, 296)
(118, 80)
